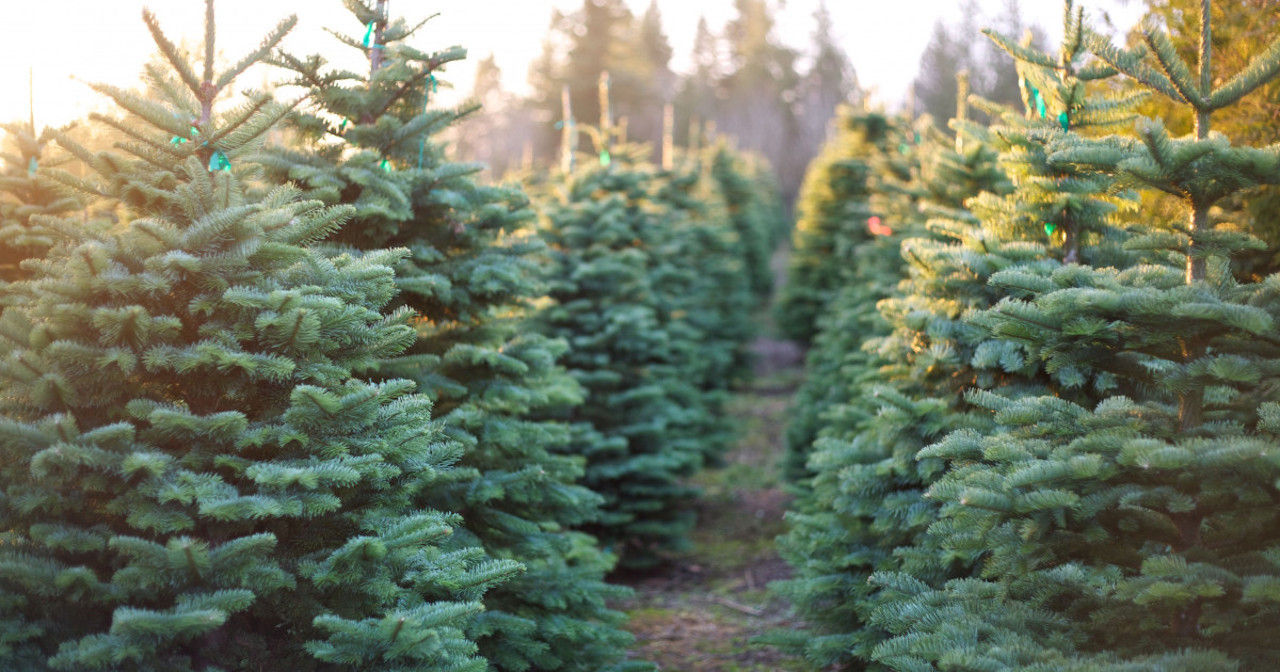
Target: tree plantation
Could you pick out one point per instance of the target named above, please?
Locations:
(288, 383)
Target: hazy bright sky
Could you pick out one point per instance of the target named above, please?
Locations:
(105, 40)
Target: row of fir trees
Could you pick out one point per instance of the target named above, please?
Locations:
(1041, 425)
(284, 388)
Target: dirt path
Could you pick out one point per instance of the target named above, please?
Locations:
(701, 612)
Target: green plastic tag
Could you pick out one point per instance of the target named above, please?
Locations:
(219, 161)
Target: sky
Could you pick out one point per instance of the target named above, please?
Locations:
(64, 43)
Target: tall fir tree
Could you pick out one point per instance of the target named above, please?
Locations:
(194, 478)
(752, 210)
(367, 140)
(1128, 516)
(872, 480)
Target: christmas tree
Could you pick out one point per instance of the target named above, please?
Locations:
(194, 478)
(833, 213)
(754, 210)
(368, 140)
(885, 216)
(643, 419)
(892, 395)
(1129, 514)
(25, 197)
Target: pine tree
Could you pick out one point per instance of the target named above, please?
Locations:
(368, 141)
(194, 478)
(868, 513)
(871, 268)
(1133, 508)
(710, 282)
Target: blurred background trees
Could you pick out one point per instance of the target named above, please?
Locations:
(739, 80)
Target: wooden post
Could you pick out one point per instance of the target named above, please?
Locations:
(606, 114)
(668, 137)
(568, 133)
(962, 105)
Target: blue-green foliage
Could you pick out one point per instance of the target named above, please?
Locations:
(1076, 469)
(833, 210)
(194, 478)
(368, 140)
(648, 285)
(1135, 506)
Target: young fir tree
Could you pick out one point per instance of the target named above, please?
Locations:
(367, 140)
(709, 284)
(644, 425)
(833, 212)
(864, 500)
(194, 479)
(753, 210)
(870, 268)
(1130, 516)
(24, 195)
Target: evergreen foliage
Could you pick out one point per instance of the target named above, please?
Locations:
(640, 426)
(634, 264)
(866, 512)
(1124, 516)
(194, 479)
(832, 216)
(893, 396)
(871, 268)
(24, 196)
(755, 211)
(368, 140)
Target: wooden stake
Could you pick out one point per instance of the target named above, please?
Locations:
(31, 97)
(668, 137)
(568, 133)
(606, 114)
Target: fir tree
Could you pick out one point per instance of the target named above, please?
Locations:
(368, 140)
(1134, 507)
(870, 485)
(883, 215)
(885, 391)
(24, 196)
(752, 210)
(833, 212)
(645, 423)
(194, 478)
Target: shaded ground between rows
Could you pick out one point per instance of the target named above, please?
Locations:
(699, 612)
